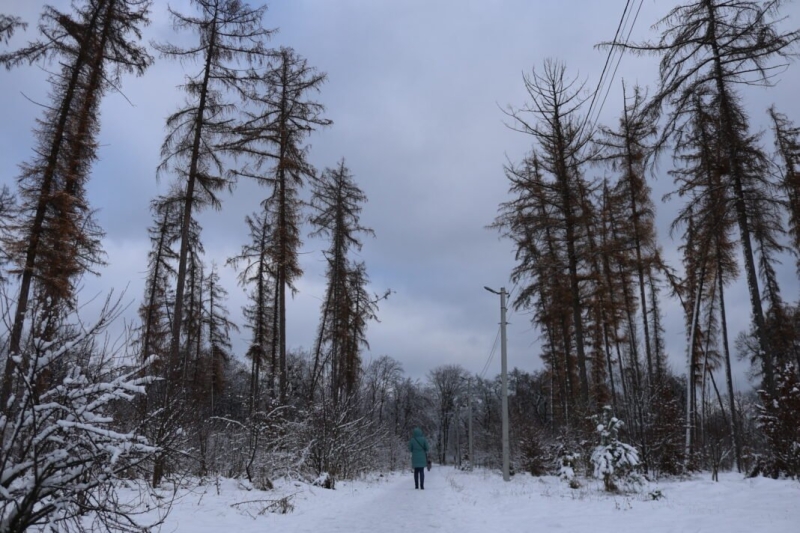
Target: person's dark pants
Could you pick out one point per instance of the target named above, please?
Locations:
(419, 477)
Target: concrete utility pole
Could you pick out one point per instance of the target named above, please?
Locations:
(504, 379)
(469, 415)
(469, 399)
(457, 462)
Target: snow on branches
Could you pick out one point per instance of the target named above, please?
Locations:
(614, 462)
(60, 448)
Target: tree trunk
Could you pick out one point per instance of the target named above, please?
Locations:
(737, 445)
(177, 317)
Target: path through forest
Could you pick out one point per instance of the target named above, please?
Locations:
(480, 502)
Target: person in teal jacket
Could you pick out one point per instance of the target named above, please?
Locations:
(418, 447)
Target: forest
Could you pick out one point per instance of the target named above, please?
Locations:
(177, 400)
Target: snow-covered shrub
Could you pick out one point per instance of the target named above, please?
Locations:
(567, 462)
(266, 446)
(779, 419)
(325, 480)
(60, 450)
(614, 462)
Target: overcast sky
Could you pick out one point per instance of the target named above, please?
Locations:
(416, 90)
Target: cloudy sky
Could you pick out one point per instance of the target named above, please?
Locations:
(416, 91)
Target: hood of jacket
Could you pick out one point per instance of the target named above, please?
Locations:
(417, 433)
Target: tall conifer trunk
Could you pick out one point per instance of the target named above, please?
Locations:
(199, 123)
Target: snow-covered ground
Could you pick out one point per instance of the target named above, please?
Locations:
(481, 502)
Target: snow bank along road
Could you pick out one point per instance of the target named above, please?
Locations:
(481, 502)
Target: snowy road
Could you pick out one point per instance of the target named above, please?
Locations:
(481, 502)
(394, 506)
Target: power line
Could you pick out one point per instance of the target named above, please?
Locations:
(619, 60)
(491, 354)
(509, 297)
(616, 57)
(613, 49)
(605, 65)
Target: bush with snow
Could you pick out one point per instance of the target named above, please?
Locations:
(567, 462)
(325, 480)
(615, 462)
(60, 451)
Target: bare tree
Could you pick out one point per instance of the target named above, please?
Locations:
(219, 328)
(8, 25)
(380, 376)
(154, 310)
(531, 221)
(447, 382)
(787, 141)
(627, 150)
(257, 271)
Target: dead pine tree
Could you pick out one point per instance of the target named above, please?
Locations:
(211, 368)
(197, 149)
(529, 220)
(257, 272)
(552, 119)
(273, 135)
(612, 257)
(626, 149)
(231, 38)
(596, 302)
(57, 238)
(787, 142)
(193, 315)
(711, 47)
(709, 218)
(158, 300)
(779, 321)
(337, 202)
(363, 309)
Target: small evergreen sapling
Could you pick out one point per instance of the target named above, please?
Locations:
(567, 462)
(614, 462)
